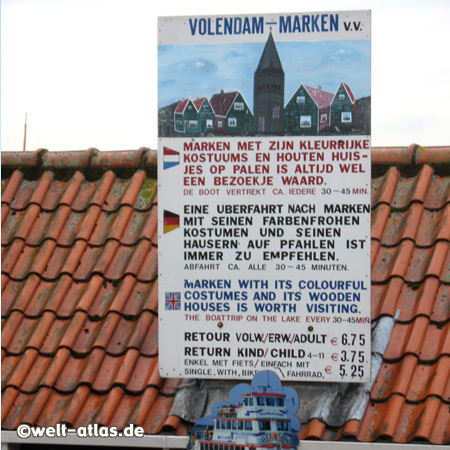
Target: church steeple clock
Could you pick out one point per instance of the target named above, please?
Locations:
(268, 91)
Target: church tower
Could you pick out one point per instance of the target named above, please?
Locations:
(268, 92)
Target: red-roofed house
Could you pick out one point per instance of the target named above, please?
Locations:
(343, 108)
(79, 308)
(308, 111)
(194, 117)
(232, 114)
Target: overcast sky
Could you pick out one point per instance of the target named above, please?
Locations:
(85, 71)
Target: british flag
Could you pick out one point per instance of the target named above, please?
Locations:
(173, 301)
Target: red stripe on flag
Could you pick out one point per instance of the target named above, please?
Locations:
(168, 151)
(171, 220)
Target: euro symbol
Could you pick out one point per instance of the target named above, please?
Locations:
(334, 341)
(328, 369)
(334, 356)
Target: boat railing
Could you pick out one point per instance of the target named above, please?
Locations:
(229, 411)
(274, 437)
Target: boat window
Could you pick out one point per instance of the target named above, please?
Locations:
(264, 425)
(270, 401)
(280, 401)
(241, 425)
(248, 425)
(260, 401)
(235, 425)
(228, 424)
(282, 426)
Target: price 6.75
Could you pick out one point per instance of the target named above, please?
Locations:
(353, 339)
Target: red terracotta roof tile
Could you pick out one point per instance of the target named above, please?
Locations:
(47, 407)
(391, 261)
(412, 189)
(383, 188)
(380, 216)
(426, 340)
(402, 225)
(429, 262)
(158, 414)
(81, 261)
(79, 295)
(401, 421)
(413, 380)
(433, 155)
(314, 429)
(429, 298)
(434, 226)
(438, 194)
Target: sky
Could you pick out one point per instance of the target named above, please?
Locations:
(203, 70)
(85, 72)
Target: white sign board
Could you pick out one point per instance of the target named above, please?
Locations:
(264, 206)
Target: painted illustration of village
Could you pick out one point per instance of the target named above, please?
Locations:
(310, 111)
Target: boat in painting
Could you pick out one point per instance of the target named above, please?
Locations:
(259, 421)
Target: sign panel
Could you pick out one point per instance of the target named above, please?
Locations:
(264, 198)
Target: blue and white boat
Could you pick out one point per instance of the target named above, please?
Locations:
(260, 421)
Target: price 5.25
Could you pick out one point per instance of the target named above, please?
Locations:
(355, 370)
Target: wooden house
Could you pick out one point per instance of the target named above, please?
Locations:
(185, 117)
(308, 111)
(205, 115)
(194, 117)
(232, 114)
(343, 108)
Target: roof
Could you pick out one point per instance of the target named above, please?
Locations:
(182, 105)
(79, 302)
(320, 98)
(222, 102)
(270, 59)
(199, 102)
(349, 92)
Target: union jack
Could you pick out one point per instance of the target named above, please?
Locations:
(173, 301)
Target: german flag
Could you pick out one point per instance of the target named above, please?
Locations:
(171, 221)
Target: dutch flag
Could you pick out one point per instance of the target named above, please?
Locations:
(171, 158)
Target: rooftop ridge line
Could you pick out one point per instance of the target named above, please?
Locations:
(76, 279)
(83, 210)
(145, 157)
